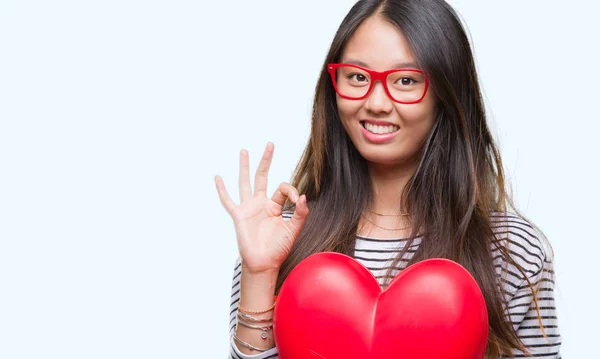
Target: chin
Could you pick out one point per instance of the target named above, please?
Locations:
(383, 157)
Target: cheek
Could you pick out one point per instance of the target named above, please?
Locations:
(417, 123)
(419, 116)
(414, 116)
(348, 109)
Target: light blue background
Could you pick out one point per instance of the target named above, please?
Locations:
(116, 115)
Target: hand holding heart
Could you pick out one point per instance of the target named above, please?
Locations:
(264, 238)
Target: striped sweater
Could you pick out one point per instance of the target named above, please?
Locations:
(526, 247)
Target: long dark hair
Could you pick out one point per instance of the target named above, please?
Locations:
(459, 180)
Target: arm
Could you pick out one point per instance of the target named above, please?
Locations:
(527, 247)
(524, 316)
(264, 240)
(251, 293)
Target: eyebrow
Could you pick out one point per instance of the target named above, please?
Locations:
(400, 65)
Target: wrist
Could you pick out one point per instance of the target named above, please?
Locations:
(265, 280)
(257, 290)
(260, 272)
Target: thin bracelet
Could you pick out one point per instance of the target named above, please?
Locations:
(249, 325)
(265, 330)
(254, 319)
(242, 310)
(249, 346)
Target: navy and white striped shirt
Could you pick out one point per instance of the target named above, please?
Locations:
(526, 247)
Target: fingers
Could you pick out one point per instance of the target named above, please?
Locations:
(226, 201)
(284, 191)
(262, 172)
(244, 180)
(300, 213)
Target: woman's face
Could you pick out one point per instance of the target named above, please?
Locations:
(379, 45)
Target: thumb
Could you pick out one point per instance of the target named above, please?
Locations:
(299, 216)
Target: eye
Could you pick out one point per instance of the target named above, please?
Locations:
(406, 81)
(357, 77)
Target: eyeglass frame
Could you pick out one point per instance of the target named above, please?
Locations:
(376, 76)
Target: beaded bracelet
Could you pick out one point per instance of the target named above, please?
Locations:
(242, 310)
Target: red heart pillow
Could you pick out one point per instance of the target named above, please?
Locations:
(331, 307)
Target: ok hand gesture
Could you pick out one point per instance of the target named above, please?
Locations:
(264, 238)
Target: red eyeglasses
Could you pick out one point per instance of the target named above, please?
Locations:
(352, 82)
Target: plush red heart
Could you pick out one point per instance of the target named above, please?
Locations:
(331, 307)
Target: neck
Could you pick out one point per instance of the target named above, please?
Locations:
(388, 184)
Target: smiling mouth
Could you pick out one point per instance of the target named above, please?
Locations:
(379, 130)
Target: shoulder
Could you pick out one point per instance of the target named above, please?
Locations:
(520, 249)
(520, 236)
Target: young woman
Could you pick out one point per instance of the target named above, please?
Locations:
(400, 166)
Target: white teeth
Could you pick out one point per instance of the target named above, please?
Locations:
(380, 129)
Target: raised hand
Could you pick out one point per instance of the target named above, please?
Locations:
(264, 238)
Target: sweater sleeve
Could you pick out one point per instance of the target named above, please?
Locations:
(234, 352)
(527, 247)
(541, 343)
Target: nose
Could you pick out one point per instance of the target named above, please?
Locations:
(378, 100)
